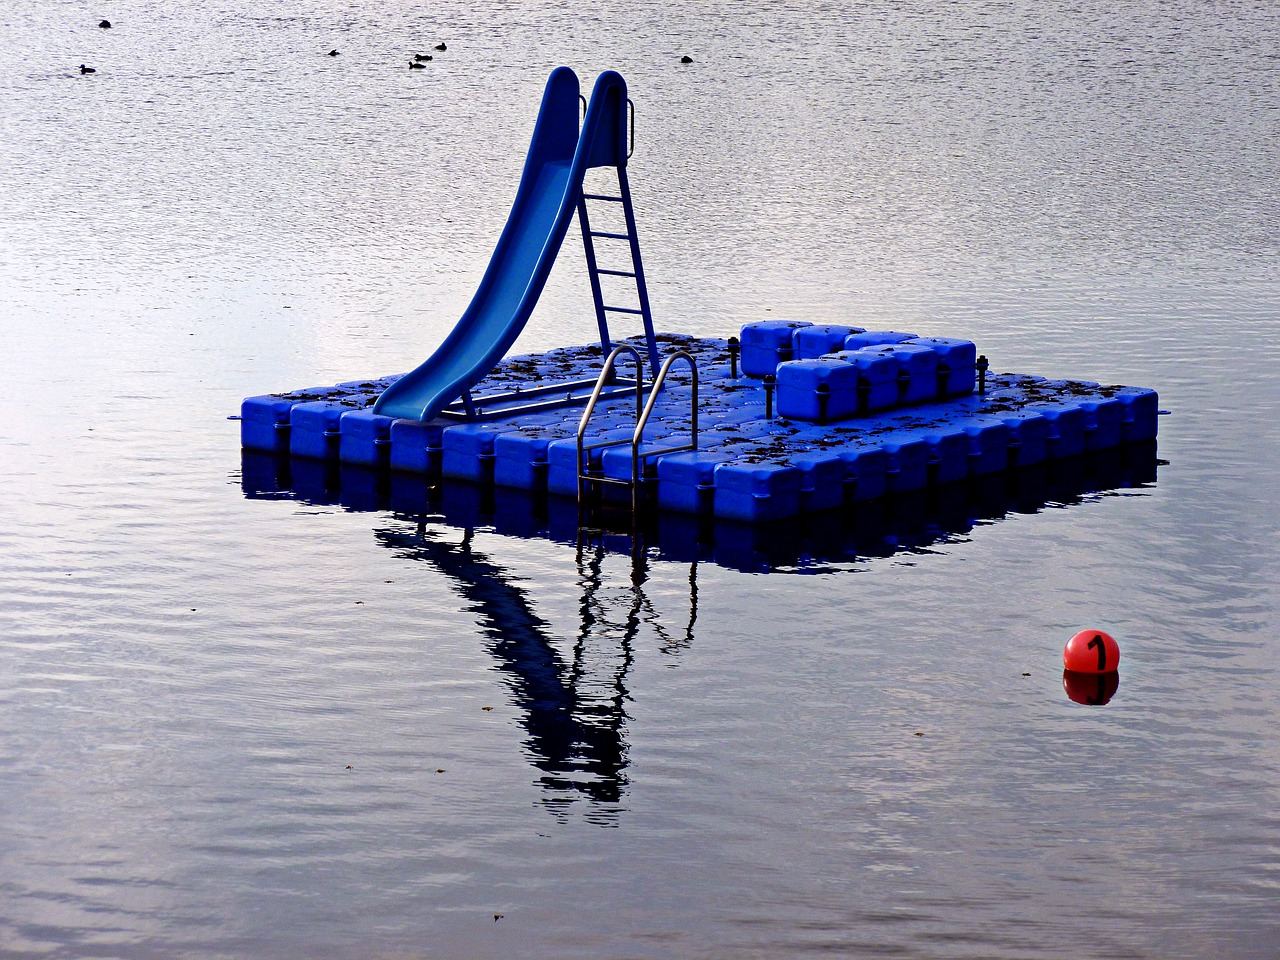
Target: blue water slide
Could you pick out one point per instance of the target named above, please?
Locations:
(546, 200)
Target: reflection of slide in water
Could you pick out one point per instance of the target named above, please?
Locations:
(575, 711)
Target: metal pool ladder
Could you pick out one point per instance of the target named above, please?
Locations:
(586, 474)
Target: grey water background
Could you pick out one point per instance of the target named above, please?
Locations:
(234, 727)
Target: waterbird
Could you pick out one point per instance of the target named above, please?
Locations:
(105, 24)
(415, 65)
(423, 57)
(333, 53)
(84, 69)
(441, 46)
(686, 59)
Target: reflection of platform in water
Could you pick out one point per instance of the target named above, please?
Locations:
(573, 695)
(872, 529)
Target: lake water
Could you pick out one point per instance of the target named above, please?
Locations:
(236, 727)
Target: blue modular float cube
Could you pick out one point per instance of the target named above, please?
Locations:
(364, 438)
(766, 343)
(756, 492)
(988, 445)
(877, 378)
(822, 479)
(415, 446)
(1066, 428)
(314, 428)
(1141, 413)
(1103, 422)
(917, 371)
(264, 424)
(615, 462)
(876, 338)
(1028, 436)
(956, 364)
(907, 464)
(467, 451)
(520, 457)
(948, 451)
(818, 390)
(865, 469)
(816, 340)
(562, 459)
(686, 480)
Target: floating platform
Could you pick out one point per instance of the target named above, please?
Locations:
(806, 419)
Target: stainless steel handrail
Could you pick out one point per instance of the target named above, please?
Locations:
(644, 420)
(603, 379)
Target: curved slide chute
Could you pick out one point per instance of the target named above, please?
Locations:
(549, 193)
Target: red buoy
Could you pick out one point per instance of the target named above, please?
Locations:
(1091, 651)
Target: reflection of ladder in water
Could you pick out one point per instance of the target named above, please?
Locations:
(638, 609)
(589, 470)
(628, 234)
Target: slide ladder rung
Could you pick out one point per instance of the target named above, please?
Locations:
(601, 196)
(610, 236)
(624, 310)
(615, 273)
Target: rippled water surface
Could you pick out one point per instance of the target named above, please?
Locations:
(238, 726)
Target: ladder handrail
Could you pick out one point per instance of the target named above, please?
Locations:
(603, 379)
(643, 421)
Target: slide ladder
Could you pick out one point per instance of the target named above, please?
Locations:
(550, 192)
(635, 274)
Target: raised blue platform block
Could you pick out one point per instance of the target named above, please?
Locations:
(956, 364)
(878, 374)
(821, 390)
(876, 338)
(767, 343)
(883, 435)
(816, 340)
(917, 371)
